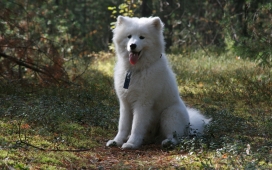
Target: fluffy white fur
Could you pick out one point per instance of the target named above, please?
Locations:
(151, 106)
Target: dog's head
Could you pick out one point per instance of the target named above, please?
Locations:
(138, 38)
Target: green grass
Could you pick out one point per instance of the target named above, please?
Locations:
(236, 93)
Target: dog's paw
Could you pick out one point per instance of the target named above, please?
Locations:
(129, 146)
(111, 143)
(169, 143)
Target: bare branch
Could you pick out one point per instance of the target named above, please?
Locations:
(15, 60)
(36, 69)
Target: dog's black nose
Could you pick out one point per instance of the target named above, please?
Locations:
(133, 46)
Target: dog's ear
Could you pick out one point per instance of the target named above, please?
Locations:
(156, 21)
(120, 20)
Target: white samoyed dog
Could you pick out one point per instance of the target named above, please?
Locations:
(150, 105)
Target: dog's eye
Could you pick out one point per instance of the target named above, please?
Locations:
(129, 36)
(141, 37)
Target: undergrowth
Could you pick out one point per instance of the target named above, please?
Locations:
(48, 127)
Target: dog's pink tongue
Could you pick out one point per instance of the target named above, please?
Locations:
(133, 58)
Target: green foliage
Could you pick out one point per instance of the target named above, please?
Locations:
(251, 36)
(42, 41)
(127, 8)
(58, 36)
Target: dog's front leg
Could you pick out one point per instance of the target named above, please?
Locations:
(124, 126)
(140, 125)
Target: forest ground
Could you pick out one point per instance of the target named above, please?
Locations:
(67, 127)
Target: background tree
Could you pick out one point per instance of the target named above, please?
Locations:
(44, 41)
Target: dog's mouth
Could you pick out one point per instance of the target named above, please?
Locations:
(134, 57)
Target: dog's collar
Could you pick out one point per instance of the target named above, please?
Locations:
(127, 80)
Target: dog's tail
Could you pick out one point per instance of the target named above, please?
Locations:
(197, 121)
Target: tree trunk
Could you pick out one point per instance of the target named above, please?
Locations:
(146, 8)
